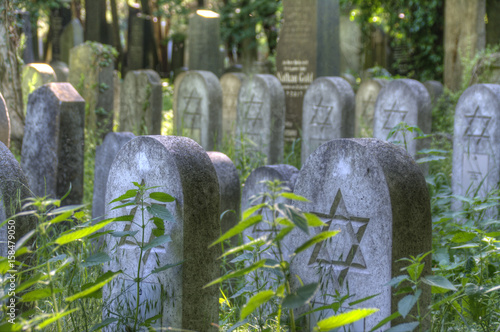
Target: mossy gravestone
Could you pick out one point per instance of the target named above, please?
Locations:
(4, 123)
(52, 151)
(366, 96)
(141, 103)
(198, 113)
(182, 169)
(328, 113)
(34, 76)
(376, 195)
(261, 116)
(231, 85)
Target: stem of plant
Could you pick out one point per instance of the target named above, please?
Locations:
(54, 299)
(138, 279)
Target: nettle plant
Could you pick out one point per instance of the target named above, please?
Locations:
(274, 300)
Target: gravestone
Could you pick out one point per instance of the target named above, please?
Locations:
(230, 194)
(104, 156)
(203, 42)
(52, 151)
(308, 47)
(177, 84)
(198, 113)
(4, 123)
(475, 155)
(181, 168)
(135, 39)
(29, 46)
(376, 195)
(230, 84)
(435, 90)
(365, 106)
(328, 113)
(35, 75)
(91, 73)
(71, 36)
(403, 100)
(59, 18)
(61, 70)
(141, 103)
(261, 115)
(351, 45)
(117, 87)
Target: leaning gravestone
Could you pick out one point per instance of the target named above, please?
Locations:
(71, 36)
(141, 103)
(403, 100)
(198, 113)
(181, 168)
(52, 151)
(104, 156)
(204, 41)
(4, 123)
(261, 116)
(230, 84)
(328, 113)
(475, 153)
(376, 195)
(34, 76)
(365, 106)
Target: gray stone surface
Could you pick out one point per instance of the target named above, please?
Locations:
(34, 75)
(476, 137)
(141, 103)
(52, 151)
(4, 123)
(377, 196)
(62, 71)
(351, 45)
(366, 96)
(104, 156)
(198, 112)
(181, 168)
(230, 84)
(177, 84)
(403, 100)
(135, 39)
(117, 87)
(261, 116)
(328, 113)
(435, 90)
(71, 36)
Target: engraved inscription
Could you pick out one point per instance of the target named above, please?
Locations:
(474, 170)
(192, 115)
(253, 121)
(394, 117)
(477, 126)
(320, 124)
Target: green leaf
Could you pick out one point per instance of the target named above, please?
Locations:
(397, 280)
(406, 327)
(160, 227)
(39, 294)
(238, 273)
(30, 282)
(123, 233)
(160, 211)
(161, 197)
(283, 232)
(465, 246)
(313, 220)
(429, 159)
(98, 258)
(62, 217)
(243, 257)
(240, 227)
(407, 303)
(385, 321)
(346, 318)
(315, 239)
(65, 209)
(294, 215)
(129, 194)
(127, 217)
(55, 318)
(245, 246)
(302, 296)
(438, 281)
(493, 289)
(123, 205)
(463, 237)
(100, 282)
(157, 241)
(251, 210)
(80, 234)
(294, 197)
(104, 323)
(363, 299)
(166, 267)
(256, 301)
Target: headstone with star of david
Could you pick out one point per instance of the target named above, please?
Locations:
(376, 195)
(181, 168)
(328, 113)
(476, 157)
(231, 85)
(261, 116)
(403, 100)
(365, 106)
(198, 108)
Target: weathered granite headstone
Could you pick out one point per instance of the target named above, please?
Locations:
(308, 47)
(35, 75)
(376, 195)
(403, 100)
(328, 113)
(182, 169)
(203, 42)
(435, 90)
(230, 84)
(261, 116)
(198, 112)
(365, 106)
(141, 103)
(104, 156)
(91, 73)
(4, 123)
(476, 135)
(135, 41)
(61, 70)
(71, 36)
(177, 84)
(52, 152)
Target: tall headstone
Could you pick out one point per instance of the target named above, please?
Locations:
(71, 36)
(95, 21)
(309, 47)
(52, 151)
(35, 75)
(365, 106)
(29, 55)
(403, 100)
(141, 103)
(230, 84)
(4, 123)
(91, 73)
(435, 90)
(204, 41)
(328, 113)
(376, 195)
(351, 45)
(182, 169)
(59, 18)
(476, 158)
(104, 156)
(198, 113)
(261, 116)
(135, 39)
(61, 70)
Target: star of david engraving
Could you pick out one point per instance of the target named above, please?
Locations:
(192, 115)
(367, 102)
(394, 117)
(253, 114)
(477, 126)
(321, 117)
(343, 251)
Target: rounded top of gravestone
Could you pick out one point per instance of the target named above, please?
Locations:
(434, 88)
(207, 13)
(280, 172)
(231, 76)
(152, 75)
(41, 68)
